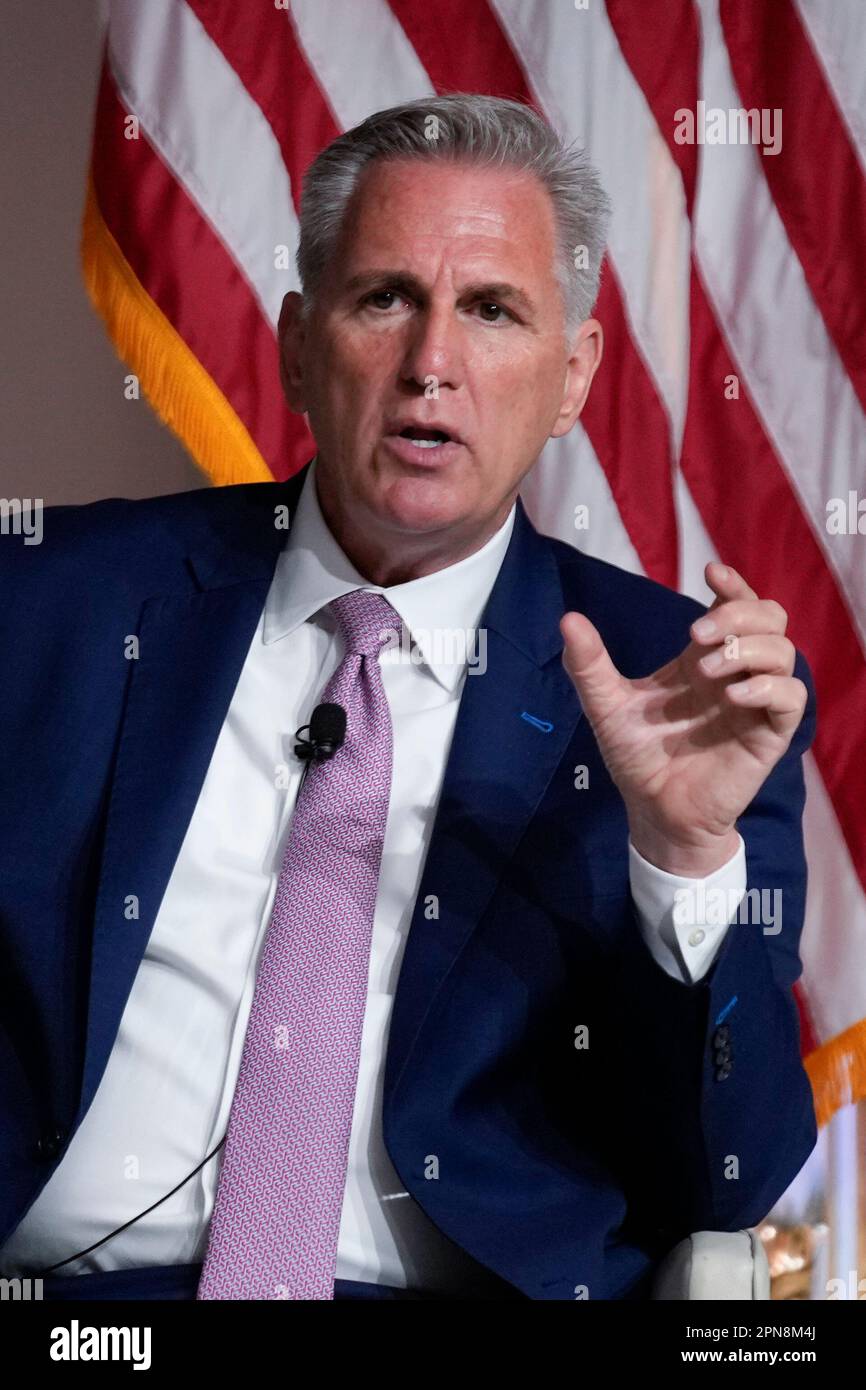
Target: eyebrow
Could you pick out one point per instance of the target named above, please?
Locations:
(400, 280)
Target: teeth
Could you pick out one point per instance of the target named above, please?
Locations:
(428, 443)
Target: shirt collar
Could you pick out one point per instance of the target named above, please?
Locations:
(441, 611)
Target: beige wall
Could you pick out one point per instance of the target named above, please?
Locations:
(67, 433)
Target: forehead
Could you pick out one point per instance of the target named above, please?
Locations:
(416, 214)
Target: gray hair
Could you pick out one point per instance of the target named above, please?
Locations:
(469, 128)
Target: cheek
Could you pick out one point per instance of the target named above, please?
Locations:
(520, 394)
(355, 370)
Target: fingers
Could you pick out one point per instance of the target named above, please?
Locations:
(726, 583)
(768, 653)
(739, 618)
(599, 684)
(783, 698)
(736, 609)
(743, 633)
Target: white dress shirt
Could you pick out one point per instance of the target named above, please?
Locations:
(164, 1099)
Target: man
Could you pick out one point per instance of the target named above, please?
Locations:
(455, 1000)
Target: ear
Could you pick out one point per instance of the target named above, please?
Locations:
(583, 363)
(291, 333)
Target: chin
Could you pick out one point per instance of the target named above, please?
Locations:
(420, 504)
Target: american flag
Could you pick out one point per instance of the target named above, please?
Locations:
(727, 420)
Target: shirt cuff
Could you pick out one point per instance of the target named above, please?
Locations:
(685, 920)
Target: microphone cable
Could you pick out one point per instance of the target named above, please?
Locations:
(39, 1272)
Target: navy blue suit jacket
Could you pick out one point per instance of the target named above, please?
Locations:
(558, 1167)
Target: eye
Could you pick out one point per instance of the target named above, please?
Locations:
(380, 295)
(497, 309)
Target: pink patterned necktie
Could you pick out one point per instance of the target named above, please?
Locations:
(276, 1217)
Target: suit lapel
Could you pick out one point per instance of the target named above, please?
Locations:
(193, 641)
(499, 766)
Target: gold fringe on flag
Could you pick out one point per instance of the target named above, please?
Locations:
(837, 1071)
(183, 394)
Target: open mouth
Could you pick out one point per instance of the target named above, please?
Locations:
(425, 438)
(424, 446)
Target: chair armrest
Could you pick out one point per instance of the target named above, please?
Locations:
(714, 1265)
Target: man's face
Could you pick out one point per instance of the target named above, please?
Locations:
(440, 310)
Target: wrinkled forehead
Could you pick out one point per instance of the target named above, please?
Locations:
(415, 215)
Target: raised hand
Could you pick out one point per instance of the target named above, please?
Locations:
(689, 746)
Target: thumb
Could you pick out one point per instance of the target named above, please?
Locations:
(599, 684)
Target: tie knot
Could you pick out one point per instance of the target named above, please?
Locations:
(366, 620)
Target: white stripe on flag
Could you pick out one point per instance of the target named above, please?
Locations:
(696, 547)
(361, 56)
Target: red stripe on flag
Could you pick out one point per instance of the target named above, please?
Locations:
(809, 1040)
(189, 274)
(815, 179)
(624, 418)
(482, 60)
(621, 405)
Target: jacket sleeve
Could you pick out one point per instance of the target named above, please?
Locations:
(720, 1115)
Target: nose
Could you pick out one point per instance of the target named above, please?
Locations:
(433, 349)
